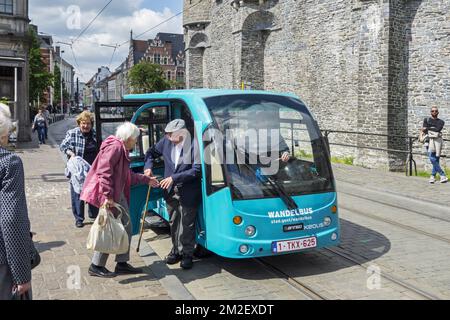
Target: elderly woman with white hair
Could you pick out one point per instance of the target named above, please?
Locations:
(15, 239)
(109, 181)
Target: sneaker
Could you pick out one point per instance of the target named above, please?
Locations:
(186, 262)
(444, 179)
(432, 179)
(173, 258)
(101, 272)
(125, 268)
(79, 224)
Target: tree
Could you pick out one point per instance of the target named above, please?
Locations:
(57, 84)
(146, 77)
(40, 78)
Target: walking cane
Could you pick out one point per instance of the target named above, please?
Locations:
(144, 214)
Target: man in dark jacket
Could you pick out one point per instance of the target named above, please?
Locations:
(182, 188)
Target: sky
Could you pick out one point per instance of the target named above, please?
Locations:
(66, 19)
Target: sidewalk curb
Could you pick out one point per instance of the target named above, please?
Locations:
(175, 288)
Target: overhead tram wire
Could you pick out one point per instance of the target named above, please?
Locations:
(115, 49)
(73, 53)
(92, 21)
(139, 35)
(167, 20)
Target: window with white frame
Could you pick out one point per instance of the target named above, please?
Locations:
(157, 58)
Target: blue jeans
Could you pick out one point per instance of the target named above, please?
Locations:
(41, 134)
(78, 207)
(435, 162)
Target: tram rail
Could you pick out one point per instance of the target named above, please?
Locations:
(395, 223)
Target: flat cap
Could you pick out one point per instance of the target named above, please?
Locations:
(175, 125)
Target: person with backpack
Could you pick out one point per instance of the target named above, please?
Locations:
(40, 125)
(432, 127)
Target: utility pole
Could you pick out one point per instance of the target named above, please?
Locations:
(77, 97)
(61, 72)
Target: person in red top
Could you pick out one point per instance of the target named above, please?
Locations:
(108, 182)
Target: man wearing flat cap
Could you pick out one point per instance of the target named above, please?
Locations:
(182, 188)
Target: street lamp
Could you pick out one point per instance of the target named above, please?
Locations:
(61, 81)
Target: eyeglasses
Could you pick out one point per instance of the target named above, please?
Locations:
(434, 111)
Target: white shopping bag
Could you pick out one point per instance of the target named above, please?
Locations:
(108, 234)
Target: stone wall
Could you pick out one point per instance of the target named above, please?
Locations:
(428, 65)
(360, 65)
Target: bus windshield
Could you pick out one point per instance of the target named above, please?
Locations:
(267, 146)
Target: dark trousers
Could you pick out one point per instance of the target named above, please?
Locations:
(46, 132)
(182, 225)
(41, 134)
(78, 207)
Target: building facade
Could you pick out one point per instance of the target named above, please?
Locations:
(49, 58)
(14, 68)
(166, 50)
(360, 65)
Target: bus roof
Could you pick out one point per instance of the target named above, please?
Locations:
(200, 93)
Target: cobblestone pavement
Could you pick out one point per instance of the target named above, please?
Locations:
(62, 246)
(387, 222)
(394, 183)
(415, 253)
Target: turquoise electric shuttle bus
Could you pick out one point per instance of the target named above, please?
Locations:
(256, 202)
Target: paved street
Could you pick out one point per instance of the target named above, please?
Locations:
(387, 223)
(62, 246)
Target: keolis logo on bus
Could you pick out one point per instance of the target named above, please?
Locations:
(290, 213)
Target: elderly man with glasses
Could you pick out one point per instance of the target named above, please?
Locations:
(433, 126)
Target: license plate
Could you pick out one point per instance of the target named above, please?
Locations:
(294, 245)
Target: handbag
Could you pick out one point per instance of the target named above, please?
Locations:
(108, 234)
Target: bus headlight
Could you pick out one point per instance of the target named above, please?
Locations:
(243, 248)
(250, 231)
(327, 221)
(334, 236)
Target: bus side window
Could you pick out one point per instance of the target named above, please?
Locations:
(213, 161)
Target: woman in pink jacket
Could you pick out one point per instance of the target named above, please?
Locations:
(109, 181)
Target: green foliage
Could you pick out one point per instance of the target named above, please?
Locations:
(427, 174)
(301, 154)
(345, 160)
(40, 78)
(57, 84)
(4, 100)
(146, 77)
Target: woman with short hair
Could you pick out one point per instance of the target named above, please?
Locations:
(109, 182)
(15, 239)
(81, 142)
(40, 124)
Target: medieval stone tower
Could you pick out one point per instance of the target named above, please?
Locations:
(374, 66)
